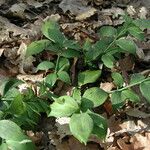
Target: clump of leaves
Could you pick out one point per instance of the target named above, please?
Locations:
(79, 107)
(24, 108)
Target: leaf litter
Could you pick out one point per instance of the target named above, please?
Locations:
(128, 129)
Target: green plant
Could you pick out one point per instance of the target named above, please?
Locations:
(79, 107)
(18, 110)
(23, 109)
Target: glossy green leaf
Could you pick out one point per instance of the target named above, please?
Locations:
(118, 79)
(145, 89)
(117, 100)
(100, 125)
(77, 95)
(17, 105)
(142, 23)
(51, 79)
(130, 95)
(107, 31)
(70, 53)
(64, 76)
(11, 131)
(51, 30)
(71, 44)
(81, 126)
(108, 60)
(136, 78)
(22, 145)
(136, 32)
(45, 65)
(127, 45)
(37, 47)
(63, 64)
(63, 106)
(97, 49)
(88, 77)
(93, 97)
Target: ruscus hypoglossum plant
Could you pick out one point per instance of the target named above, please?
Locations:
(79, 106)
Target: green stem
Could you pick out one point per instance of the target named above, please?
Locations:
(130, 85)
(57, 61)
(114, 40)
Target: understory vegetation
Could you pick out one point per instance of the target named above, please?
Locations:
(21, 110)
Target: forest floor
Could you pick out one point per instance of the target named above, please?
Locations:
(20, 24)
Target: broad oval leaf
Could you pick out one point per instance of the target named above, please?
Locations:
(63, 64)
(70, 53)
(45, 65)
(126, 45)
(108, 60)
(93, 97)
(71, 44)
(63, 106)
(100, 125)
(88, 77)
(130, 95)
(136, 78)
(118, 79)
(17, 105)
(51, 79)
(136, 32)
(145, 89)
(64, 76)
(142, 23)
(81, 126)
(107, 31)
(117, 100)
(51, 30)
(37, 47)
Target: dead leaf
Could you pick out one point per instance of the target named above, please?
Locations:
(78, 8)
(137, 113)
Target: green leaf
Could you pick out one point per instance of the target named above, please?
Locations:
(45, 65)
(37, 47)
(136, 32)
(8, 84)
(63, 106)
(108, 60)
(17, 106)
(70, 53)
(116, 100)
(93, 97)
(63, 64)
(127, 45)
(142, 23)
(136, 78)
(11, 131)
(51, 30)
(77, 95)
(97, 49)
(87, 45)
(129, 94)
(64, 76)
(100, 125)
(81, 126)
(51, 79)
(118, 79)
(22, 145)
(3, 146)
(71, 44)
(88, 77)
(107, 31)
(145, 89)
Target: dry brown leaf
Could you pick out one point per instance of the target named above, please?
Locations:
(141, 142)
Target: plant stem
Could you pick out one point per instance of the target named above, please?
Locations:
(57, 61)
(114, 40)
(130, 85)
